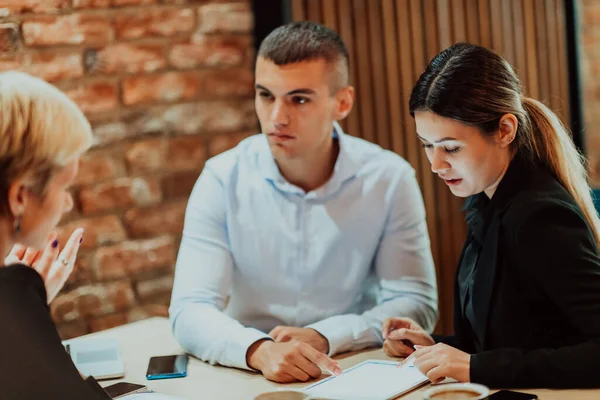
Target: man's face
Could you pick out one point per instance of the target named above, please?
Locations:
(296, 107)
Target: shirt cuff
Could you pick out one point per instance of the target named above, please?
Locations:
(339, 336)
(237, 348)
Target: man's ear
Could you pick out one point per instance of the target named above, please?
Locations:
(507, 130)
(344, 102)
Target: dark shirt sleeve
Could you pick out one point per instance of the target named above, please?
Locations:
(557, 252)
(34, 363)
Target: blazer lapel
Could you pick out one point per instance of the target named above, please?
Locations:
(483, 285)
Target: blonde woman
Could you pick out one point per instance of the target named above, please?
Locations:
(42, 136)
(527, 291)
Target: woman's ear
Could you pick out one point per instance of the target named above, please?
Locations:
(17, 198)
(507, 130)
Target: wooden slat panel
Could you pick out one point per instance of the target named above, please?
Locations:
(458, 20)
(519, 32)
(472, 16)
(485, 23)
(444, 24)
(405, 51)
(314, 10)
(330, 14)
(352, 123)
(533, 86)
(393, 92)
(382, 123)
(365, 87)
(507, 30)
(553, 59)
(496, 22)
(298, 10)
(562, 60)
(542, 51)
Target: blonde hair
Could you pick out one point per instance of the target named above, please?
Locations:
(41, 130)
(476, 86)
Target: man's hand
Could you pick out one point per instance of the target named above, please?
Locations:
(290, 361)
(305, 335)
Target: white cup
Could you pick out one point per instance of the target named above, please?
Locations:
(456, 391)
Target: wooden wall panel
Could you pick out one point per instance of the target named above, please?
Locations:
(390, 43)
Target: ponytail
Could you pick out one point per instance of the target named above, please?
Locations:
(550, 143)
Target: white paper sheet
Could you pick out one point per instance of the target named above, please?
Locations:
(369, 380)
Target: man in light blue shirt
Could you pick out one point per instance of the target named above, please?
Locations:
(300, 242)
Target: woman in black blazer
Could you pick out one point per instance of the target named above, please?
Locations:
(42, 136)
(527, 290)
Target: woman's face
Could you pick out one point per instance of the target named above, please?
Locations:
(42, 214)
(468, 161)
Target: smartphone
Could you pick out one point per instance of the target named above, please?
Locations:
(124, 388)
(510, 395)
(165, 367)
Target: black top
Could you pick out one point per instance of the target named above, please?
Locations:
(33, 362)
(530, 311)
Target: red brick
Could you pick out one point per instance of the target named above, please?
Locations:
(71, 29)
(73, 329)
(110, 132)
(221, 143)
(82, 271)
(121, 193)
(99, 231)
(220, 18)
(48, 65)
(9, 37)
(92, 300)
(130, 58)
(210, 51)
(166, 87)
(186, 153)
(35, 6)
(146, 155)
(108, 321)
(95, 97)
(132, 258)
(179, 185)
(229, 83)
(96, 167)
(110, 3)
(155, 287)
(154, 22)
(153, 221)
(194, 118)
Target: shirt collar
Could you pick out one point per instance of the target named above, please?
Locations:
(346, 166)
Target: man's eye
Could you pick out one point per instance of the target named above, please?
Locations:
(300, 100)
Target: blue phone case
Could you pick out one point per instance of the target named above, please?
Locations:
(167, 376)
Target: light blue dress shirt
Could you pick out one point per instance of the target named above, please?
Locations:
(258, 252)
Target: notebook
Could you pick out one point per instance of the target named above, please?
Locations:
(369, 380)
(97, 357)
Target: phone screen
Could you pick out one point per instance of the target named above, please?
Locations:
(121, 388)
(167, 367)
(510, 395)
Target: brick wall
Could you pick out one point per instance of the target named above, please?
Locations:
(166, 84)
(589, 16)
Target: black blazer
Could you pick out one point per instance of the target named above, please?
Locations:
(536, 289)
(33, 363)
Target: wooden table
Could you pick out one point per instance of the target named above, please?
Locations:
(152, 337)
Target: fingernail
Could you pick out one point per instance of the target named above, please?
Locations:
(418, 346)
(337, 371)
(55, 244)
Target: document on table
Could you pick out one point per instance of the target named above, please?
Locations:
(369, 380)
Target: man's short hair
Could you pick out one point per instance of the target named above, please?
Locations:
(307, 41)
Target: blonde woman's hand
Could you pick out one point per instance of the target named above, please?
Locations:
(51, 263)
(401, 334)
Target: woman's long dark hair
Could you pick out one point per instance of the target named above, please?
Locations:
(476, 86)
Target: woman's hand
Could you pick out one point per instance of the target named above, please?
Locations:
(441, 361)
(53, 265)
(400, 334)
